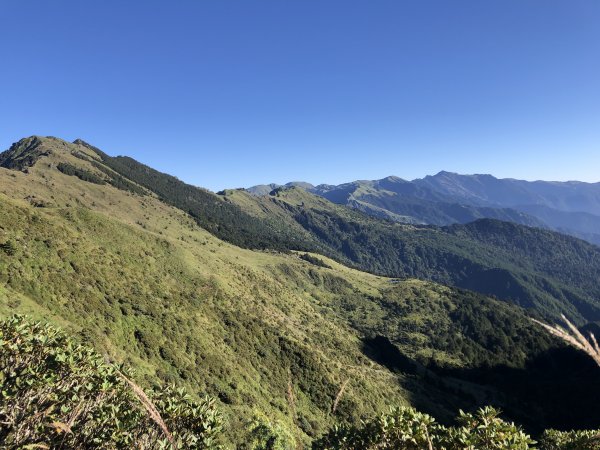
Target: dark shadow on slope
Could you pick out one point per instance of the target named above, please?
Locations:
(381, 350)
(559, 388)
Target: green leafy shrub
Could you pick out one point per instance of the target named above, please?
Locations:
(485, 430)
(264, 434)
(56, 393)
(9, 248)
(401, 428)
(407, 429)
(314, 260)
(570, 440)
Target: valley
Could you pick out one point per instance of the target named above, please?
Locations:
(248, 298)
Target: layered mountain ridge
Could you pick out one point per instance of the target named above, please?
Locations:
(445, 198)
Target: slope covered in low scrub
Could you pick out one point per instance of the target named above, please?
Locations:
(56, 393)
(277, 338)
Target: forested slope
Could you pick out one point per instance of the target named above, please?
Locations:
(298, 220)
(543, 271)
(267, 333)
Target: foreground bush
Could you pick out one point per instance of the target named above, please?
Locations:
(485, 430)
(406, 429)
(570, 440)
(400, 428)
(56, 393)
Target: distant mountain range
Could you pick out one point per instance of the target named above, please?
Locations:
(571, 207)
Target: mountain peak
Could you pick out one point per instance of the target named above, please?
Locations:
(444, 172)
(83, 143)
(455, 175)
(393, 179)
(266, 189)
(24, 153)
(262, 189)
(300, 184)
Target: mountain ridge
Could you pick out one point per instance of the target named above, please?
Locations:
(289, 220)
(571, 207)
(125, 269)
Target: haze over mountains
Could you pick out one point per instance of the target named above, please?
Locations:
(571, 207)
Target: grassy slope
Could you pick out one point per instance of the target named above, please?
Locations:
(173, 301)
(146, 285)
(294, 219)
(546, 272)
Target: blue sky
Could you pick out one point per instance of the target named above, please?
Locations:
(226, 93)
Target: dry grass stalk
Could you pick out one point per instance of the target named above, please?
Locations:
(574, 338)
(291, 398)
(338, 397)
(150, 408)
(429, 443)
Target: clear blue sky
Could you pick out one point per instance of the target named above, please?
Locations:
(233, 93)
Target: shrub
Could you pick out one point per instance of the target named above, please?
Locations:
(82, 174)
(485, 430)
(407, 429)
(570, 440)
(314, 260)
(401, 428)
(263, 434)
(9, 248)
(56, 393)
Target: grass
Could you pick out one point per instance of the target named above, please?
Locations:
(146, 286)
(163, 295)
(575, 338)
(549, 273)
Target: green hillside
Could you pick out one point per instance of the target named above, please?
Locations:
(540, 270)
(548, 284)
(58, 393)
(274, 333)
